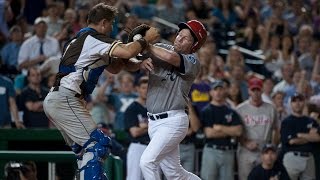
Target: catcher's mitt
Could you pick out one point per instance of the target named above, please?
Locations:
(138, 32)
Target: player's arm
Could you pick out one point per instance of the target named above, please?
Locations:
(138, 131)
(210, 132)
(168, 56)
(229, 130)
(298, 141)
(275, 128)
(14, 111)
(312, 136)
(34, 106)
(194, 120)
(116, 66)
(129, 50)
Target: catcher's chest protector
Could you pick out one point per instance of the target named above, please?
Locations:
(72, 51)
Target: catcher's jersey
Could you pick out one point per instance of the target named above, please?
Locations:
(91, 54)
(169, 86)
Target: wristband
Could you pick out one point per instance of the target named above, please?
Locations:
(143, 43)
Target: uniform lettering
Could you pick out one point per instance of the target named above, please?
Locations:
(250, 120)
(170, 75)
(125, 103)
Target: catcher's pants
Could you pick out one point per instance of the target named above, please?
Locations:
(299, 166)
(134, 154)
(163, 149)
(247, 160)
(69, 115)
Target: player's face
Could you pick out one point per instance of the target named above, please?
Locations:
(34, 76)
(297, 105)
(142, 90)
(218, 94)
(106, 26)
(269, 157)
(255, 94)
(183, 42)
(126, 85)
(41, 29)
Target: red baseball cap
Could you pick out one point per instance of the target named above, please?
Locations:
(255, 83)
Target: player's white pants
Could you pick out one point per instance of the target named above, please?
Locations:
(163, 149)
(134, 154)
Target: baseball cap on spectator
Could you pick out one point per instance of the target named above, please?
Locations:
(268, 147)
(15, 28)
(297, 96)
(217, 83)
(40, 20)
(255, 83)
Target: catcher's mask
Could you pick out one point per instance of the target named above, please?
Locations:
(198, 31)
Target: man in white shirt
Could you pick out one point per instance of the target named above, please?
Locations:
(38, 48)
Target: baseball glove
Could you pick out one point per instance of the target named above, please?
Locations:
(138, 32)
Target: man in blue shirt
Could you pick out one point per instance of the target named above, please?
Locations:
(9, 53)
(8, 104)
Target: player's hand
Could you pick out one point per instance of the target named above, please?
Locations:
(152, 35)
(143, 125)
(147, 65)
(217, 127)
(252, 145)
(19, 125)
(42, 58)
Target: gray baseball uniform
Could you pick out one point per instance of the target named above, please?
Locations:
(258, 125)
(168, 122)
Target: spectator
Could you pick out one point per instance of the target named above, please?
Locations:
(199, 92)
(276, 24)
(38, 48)
(234, 58)
(315, 78)
(225, 14)
(234, 97)
(70, 16)
(222, 126)
(238, 76)
(286, 85)
(130, 23)
(284, 56)
(54, 22)
(121, 101)
(101, 112)
(144, 11)
(306, 62)
(8, 105)
(32, 9)
(267, 90)
(169, 11)
(9, 53)
(269, 169)
(32, 100)
(296, 141)
(260, 127)
(83, 11)
(297, 15)
(136, 122)
(6, 15)
(278, 101)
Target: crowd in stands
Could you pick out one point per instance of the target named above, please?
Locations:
(260, 59)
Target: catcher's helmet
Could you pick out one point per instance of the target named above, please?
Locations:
(198, 30)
